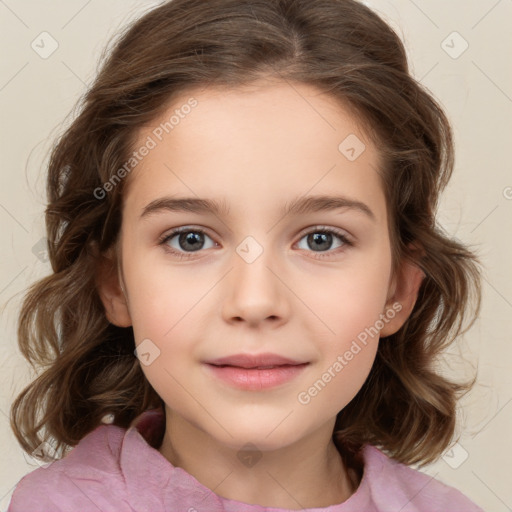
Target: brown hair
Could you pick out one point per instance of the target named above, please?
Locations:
(342, 48)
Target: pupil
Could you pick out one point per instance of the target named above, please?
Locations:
(193, 239)
(322, 239)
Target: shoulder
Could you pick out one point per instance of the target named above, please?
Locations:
(395, 486)
(78, 480)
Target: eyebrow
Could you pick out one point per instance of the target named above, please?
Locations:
(299, 206)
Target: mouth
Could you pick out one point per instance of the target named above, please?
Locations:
(255, 373)
(259, 361)
(255, 367)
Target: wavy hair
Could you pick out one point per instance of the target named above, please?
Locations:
(88, 367)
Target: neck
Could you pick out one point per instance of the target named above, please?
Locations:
(296, 476)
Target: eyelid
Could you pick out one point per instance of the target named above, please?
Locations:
(345, 238)
(184, 229)
(306, 231)
(332, 229)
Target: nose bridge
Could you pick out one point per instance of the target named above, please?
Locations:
(256, 292)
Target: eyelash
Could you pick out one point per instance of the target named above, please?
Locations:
(187, 229)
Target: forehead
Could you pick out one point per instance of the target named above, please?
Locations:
(265, 139)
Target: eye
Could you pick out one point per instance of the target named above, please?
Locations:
(188, 240)
(322, 238)
(183, 242)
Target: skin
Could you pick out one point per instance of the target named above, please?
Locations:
(257, 148)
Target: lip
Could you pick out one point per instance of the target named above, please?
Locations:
(252, 372)
(254, 360)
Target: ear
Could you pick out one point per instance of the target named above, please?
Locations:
(110, 290)
(402, 296)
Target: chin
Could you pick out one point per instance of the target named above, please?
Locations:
(264, 436)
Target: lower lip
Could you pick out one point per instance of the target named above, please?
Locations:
(255, 380)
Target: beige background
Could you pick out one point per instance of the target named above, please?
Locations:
(474, 86)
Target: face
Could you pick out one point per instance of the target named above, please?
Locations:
(311, 285)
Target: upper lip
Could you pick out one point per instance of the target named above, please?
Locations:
(254, 360)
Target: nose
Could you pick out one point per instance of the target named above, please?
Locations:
(256, 292)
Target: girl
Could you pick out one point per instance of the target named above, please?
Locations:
(200, 352)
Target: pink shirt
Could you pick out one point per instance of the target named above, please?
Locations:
(116, 470)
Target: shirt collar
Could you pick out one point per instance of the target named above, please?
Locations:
(141, 463)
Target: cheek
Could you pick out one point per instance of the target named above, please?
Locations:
(161, 297)
(339, 381)
(169, 323)
(347, 340)
(166, 308)
(345, 355)
(348, 307)
(344, 302)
